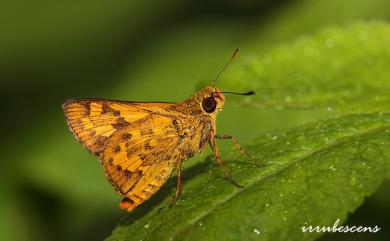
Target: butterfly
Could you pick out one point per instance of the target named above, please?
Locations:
(140, 144)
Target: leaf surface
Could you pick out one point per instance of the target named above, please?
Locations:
(314, 173)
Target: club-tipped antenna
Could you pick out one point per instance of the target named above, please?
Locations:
(235, 93)
(234, 56)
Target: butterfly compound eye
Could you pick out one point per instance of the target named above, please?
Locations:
(209, 104)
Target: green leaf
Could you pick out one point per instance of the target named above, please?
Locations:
(338, 69)
(314, 174)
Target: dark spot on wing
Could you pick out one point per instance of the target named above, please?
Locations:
(138, 197)
(107, 109)
(142, 157)
(147, 146)
(127, 136)
(128, 200)
(146, 131)
(131, 151)
(121, 123)
(127, 173)
(87, 106)
(91, 133)
(100, 142)
(176, 125)
(117, 149)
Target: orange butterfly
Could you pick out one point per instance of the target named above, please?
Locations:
(141, 143)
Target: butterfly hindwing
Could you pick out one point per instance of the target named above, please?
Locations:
(134, 150)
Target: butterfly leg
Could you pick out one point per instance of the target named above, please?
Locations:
(178, 185)
(236, 144)
(214, 147)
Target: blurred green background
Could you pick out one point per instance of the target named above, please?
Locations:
(51, 188)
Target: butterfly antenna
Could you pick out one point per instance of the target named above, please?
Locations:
(235, 93)
(234, 56)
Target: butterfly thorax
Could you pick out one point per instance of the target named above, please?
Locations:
(198, 122)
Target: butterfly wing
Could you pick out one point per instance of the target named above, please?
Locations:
(136, 142)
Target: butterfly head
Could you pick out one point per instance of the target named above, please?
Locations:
(211, 99)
